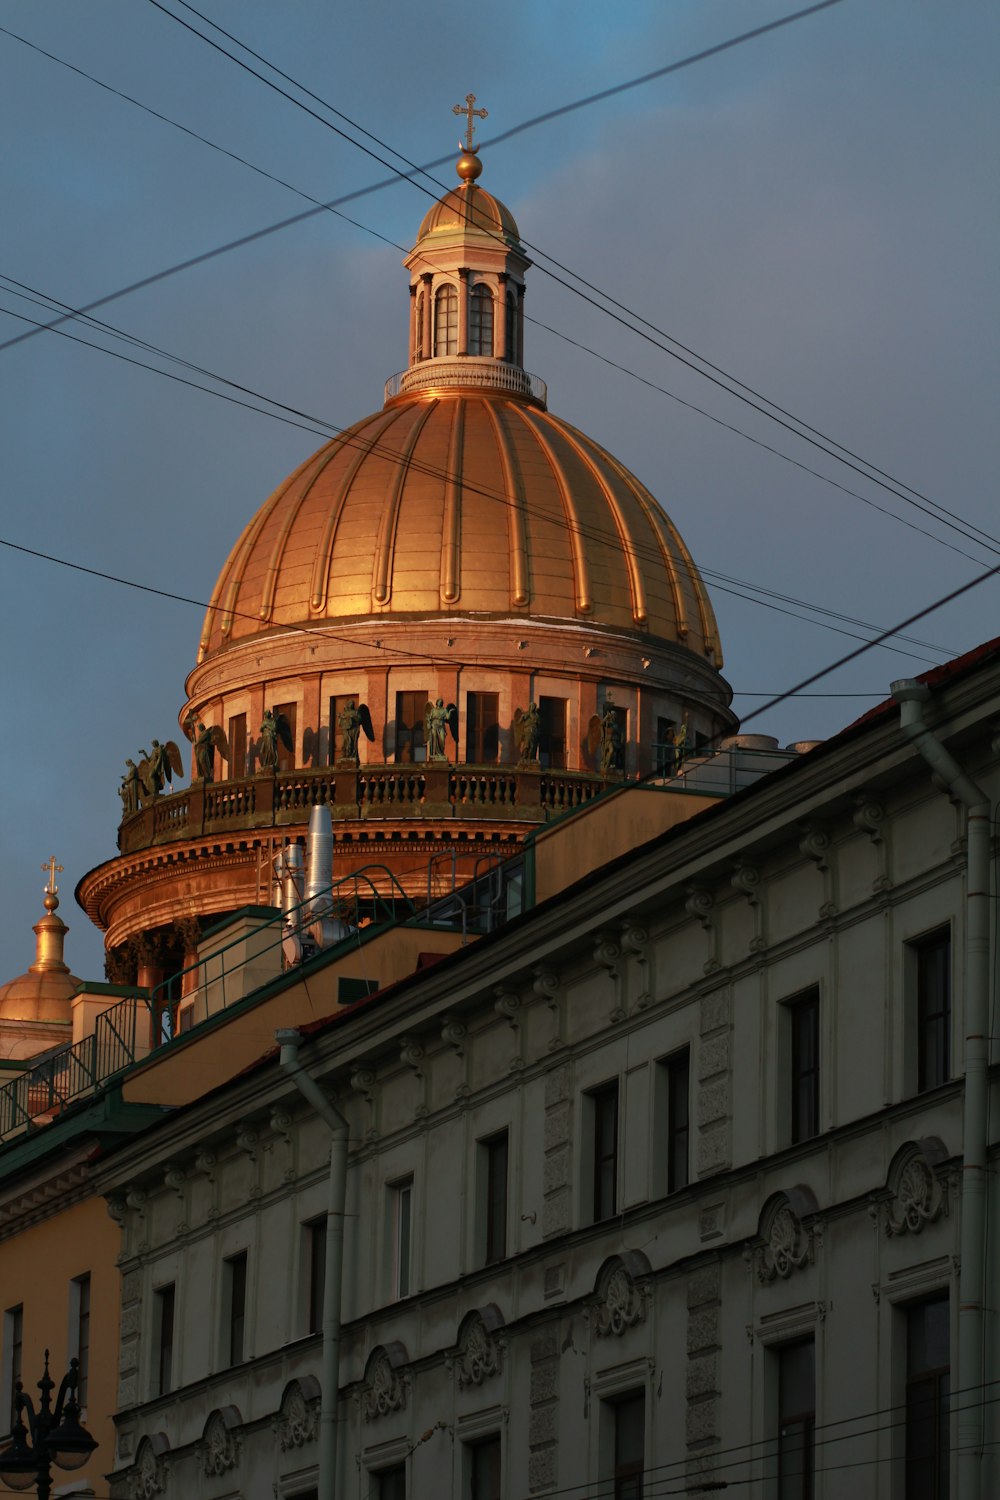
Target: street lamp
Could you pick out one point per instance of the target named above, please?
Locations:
(51, 1437)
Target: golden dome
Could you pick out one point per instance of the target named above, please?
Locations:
(470, 211)
(456, 502)
(44, 992)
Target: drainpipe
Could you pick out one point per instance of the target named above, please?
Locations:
(911, 696)
(290, 1041)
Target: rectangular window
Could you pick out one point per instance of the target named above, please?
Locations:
(390, 1484)
(552, 733)
(401, 1227)
(235, 1283)
(13, 1348)
(163, 1301)
(410, 744)
(630, 1445)
(678, 1073)
(316, 1250)
(482, 728)
(804, 1081)
(493, 1160)
(484, 1469)
(237, 745)
(927, 1389)
(796, 1419)
(604, 1104)
(932, 956)
(286, 757)
(79, 1332)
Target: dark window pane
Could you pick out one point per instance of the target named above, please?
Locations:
(446, 321)
(286, 757)
(165, 1370)
(796, 1419)
(552, 732)
(927, 1389)
(237, 1275)
(933, 960)
(390, 1484)
(805, 1066)
(317, 1273)
(484, 1475)
(482, 728)
(605, 1107)
(410, 726)
(402, 1229)
(82, 1337)
(630, 1444)
(496, 1197)
(237, 746)
(481, 321)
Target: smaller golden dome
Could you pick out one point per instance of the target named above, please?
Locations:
(44, 992)
(470, 210)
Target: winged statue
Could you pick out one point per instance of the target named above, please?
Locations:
(157, 767)
(527, 725)
(206, 741)
(274, 728)
(604, 738)
(439, 717)
(353, 720)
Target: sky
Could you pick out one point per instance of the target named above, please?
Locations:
(813, 211)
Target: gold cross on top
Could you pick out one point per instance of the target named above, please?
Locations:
(53, 870)
(473, 114)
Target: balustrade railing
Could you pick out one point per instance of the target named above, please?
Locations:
(470, 371)
(271, 799)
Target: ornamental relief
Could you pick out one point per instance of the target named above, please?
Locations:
(219, 1449)
(788, 1246)
(149, 1477)
(919, 1196)
(480, 1353)
(622, 1304)
(298, 1418)
(385, 1387)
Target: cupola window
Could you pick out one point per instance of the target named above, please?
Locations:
(481, 321)
(513, 353)
(446, 321)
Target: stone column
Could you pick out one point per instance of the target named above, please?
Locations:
(427, 280)
(500, 349)
(463, 309)
(520, 325)
(413, 324)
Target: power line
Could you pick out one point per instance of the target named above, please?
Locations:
(743, 392)
(555, 332)
(424, 171)
(324, 428)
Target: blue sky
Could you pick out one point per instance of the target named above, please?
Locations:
(814, 211)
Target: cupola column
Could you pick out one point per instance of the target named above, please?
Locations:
(414, 330)
(500, 318)
(427, 279)
(463, 309)
(520, 325)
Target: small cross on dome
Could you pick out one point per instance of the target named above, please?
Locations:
(53, 870)
(472, 114)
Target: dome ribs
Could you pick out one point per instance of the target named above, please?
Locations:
(273, 567)
(520, 590)
(661, 523)
(637, 587)
(386, 544)
(581, 573)
(324, 553)
(451, 529)
(232, 575)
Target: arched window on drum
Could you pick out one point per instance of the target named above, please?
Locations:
(513, 353)
(446, 321)
(481, 321)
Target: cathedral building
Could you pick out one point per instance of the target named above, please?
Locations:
(510, 1079)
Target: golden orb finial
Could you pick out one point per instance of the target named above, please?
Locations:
(468, 166)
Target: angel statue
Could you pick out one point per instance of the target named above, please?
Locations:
(206, 741)
(604, 735)
(129, 789)
(352, 719)
(527, 723)
(438, 719)
(157, 767)
(274, 728)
